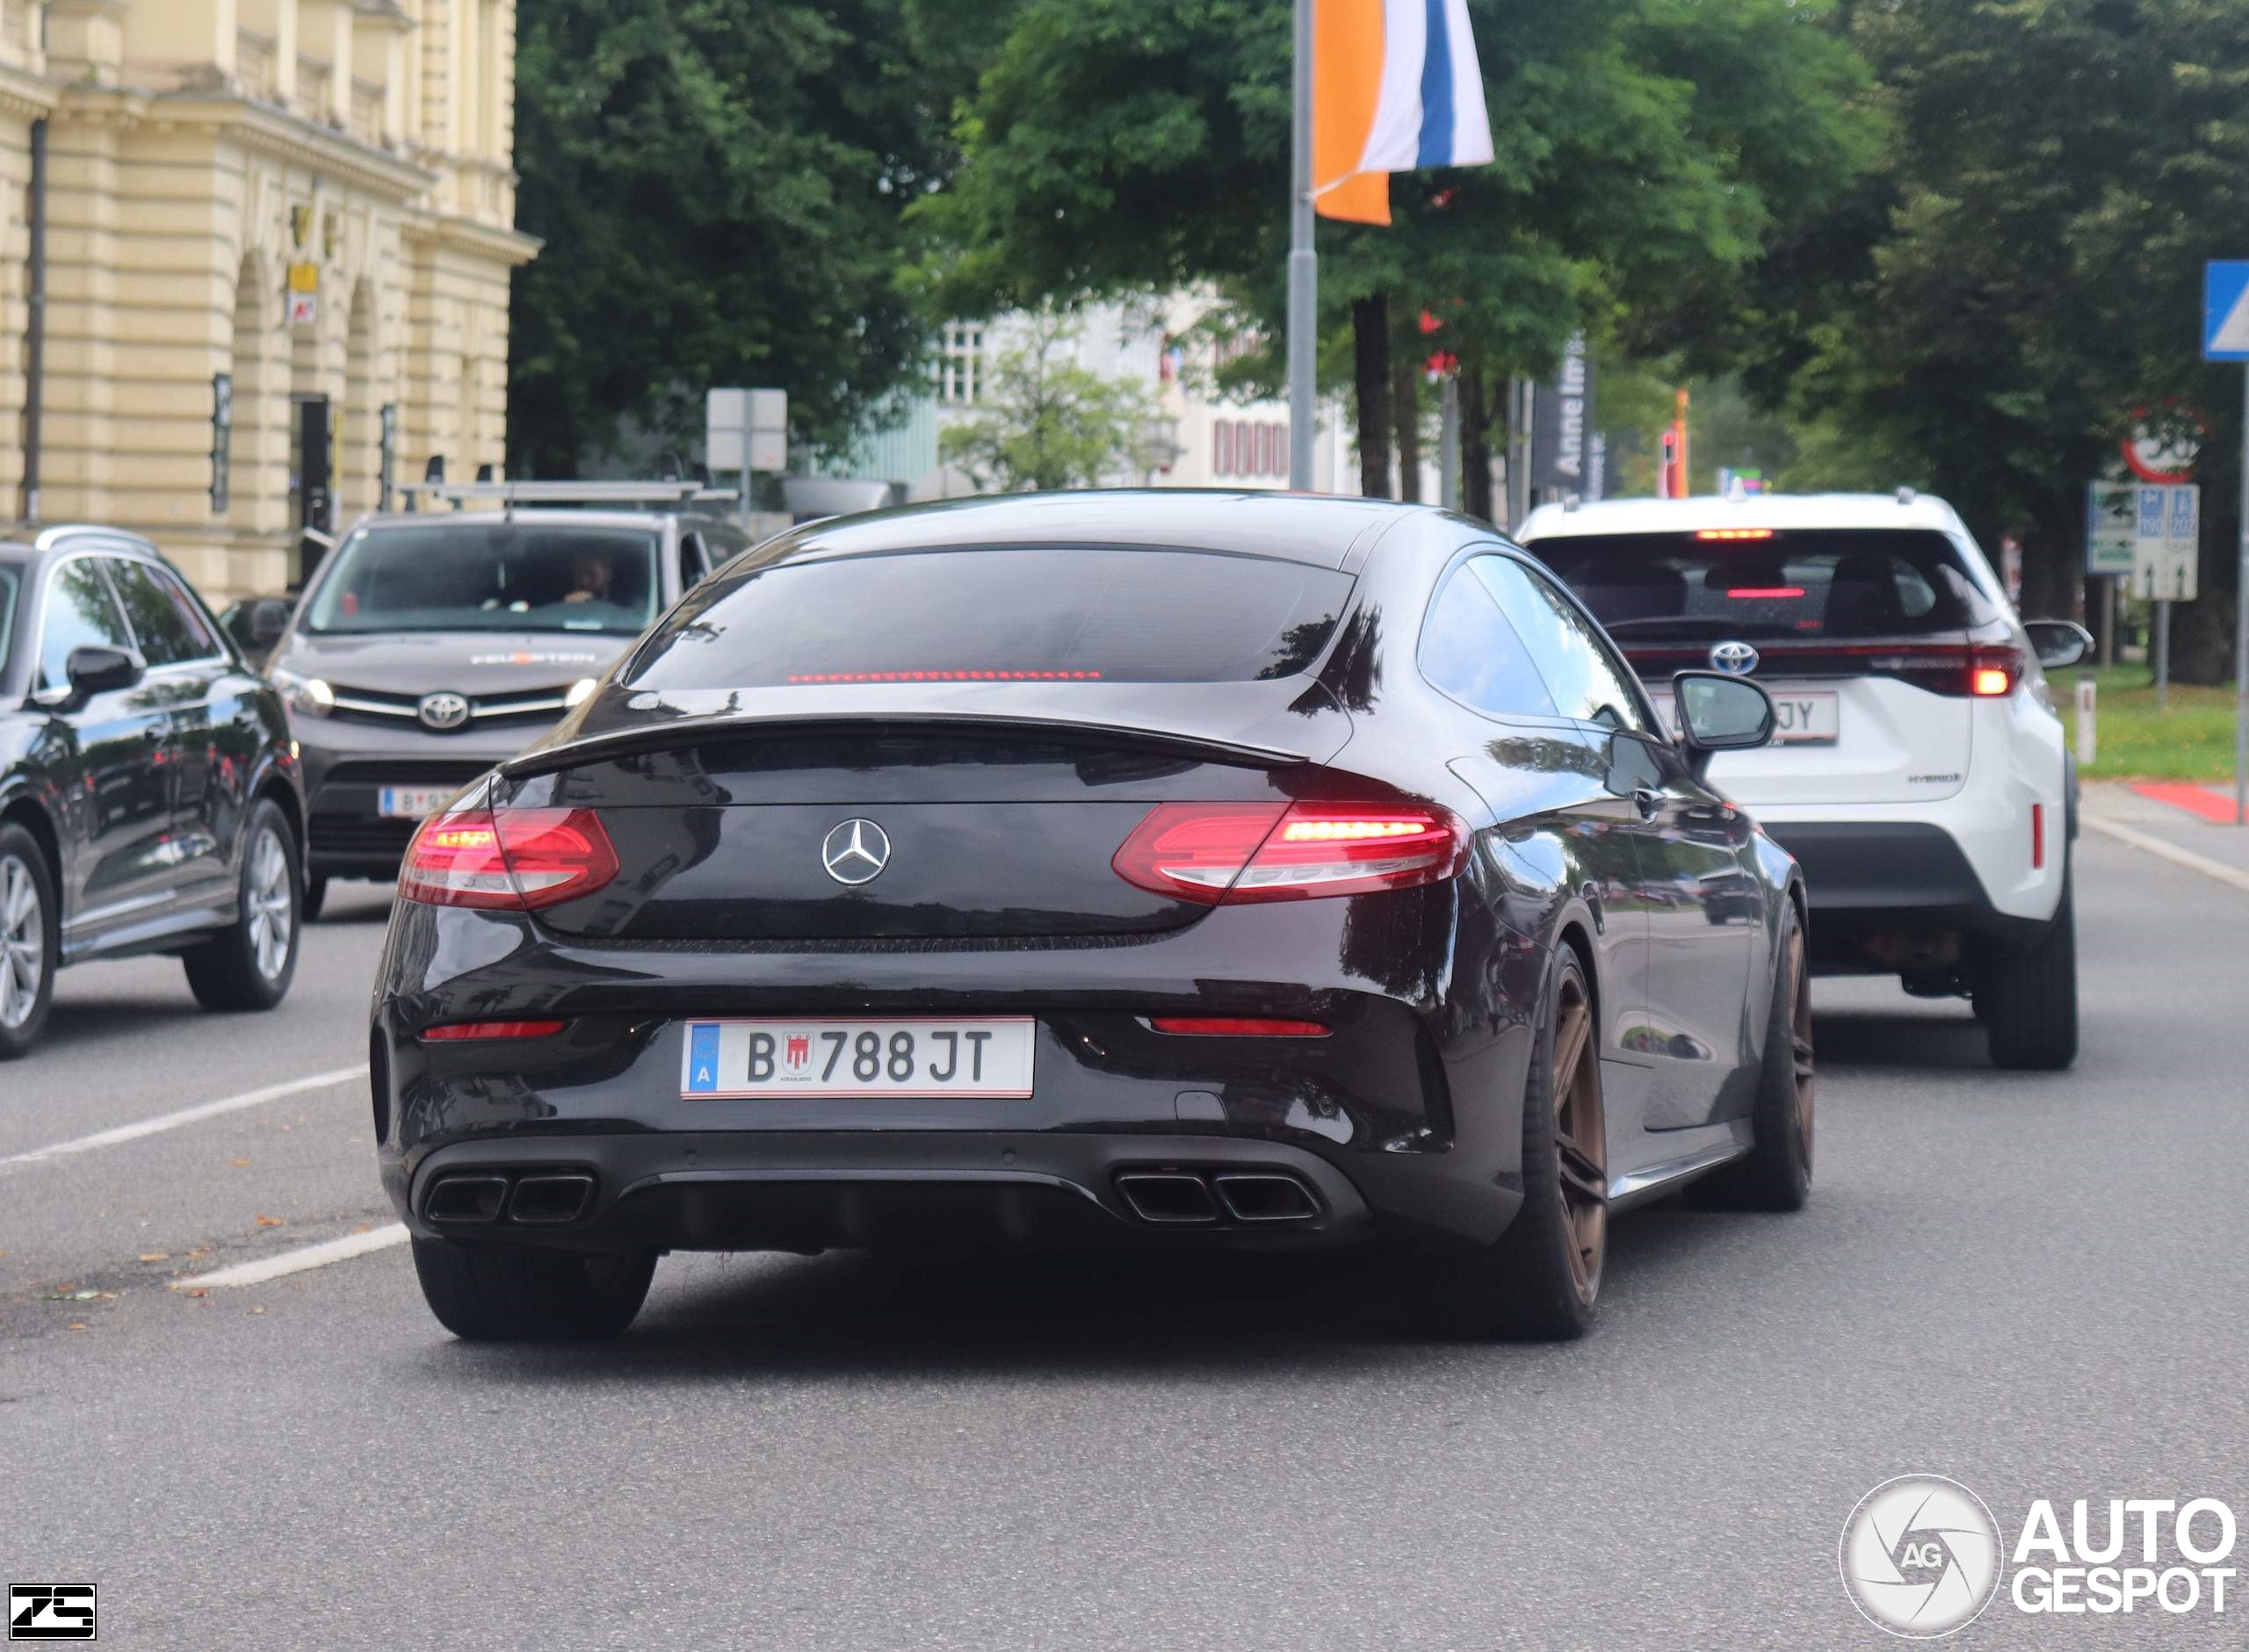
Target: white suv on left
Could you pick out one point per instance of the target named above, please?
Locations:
(1919, 773)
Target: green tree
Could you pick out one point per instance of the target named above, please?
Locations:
(1045, 422)
(2027, 270)
(1648, 150)
(720, 185)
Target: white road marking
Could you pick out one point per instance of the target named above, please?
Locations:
(296, 1261)
(2232, 877)
(186, 1115)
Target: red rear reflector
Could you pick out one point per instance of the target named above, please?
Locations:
(2037, 835)
(1231, 853)
(515, 860)
(1990, 681)
(1236, 1026)
(1734, 533)
(453, 1030)
(1765, 592)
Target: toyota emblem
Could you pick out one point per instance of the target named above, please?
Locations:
(854, 852)
(1735, 658)
(444, 709)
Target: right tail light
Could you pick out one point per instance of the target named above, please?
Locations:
(1228, 853)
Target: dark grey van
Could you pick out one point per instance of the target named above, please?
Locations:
(427, 647)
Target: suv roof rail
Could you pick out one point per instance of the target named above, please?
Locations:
(689, 491)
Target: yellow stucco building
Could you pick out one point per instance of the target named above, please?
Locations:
(284, 200)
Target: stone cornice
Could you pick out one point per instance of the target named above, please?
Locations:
(25, 96)
(267, 131)
(511, 247)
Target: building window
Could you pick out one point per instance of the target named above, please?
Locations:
(960, 365)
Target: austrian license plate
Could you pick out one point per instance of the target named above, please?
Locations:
(411, 803)
(873, 1058)
(1801, 717)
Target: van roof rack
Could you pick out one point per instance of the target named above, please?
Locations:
(689, 491)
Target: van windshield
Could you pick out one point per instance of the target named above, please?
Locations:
(1807, 584)
(495, 575)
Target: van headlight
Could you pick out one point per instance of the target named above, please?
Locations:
(580, 691)
(308, 695)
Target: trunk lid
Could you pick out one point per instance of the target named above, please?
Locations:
(912, 821)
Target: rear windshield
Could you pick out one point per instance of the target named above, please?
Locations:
(1810, 583)
(1058, 615)
(492, 575)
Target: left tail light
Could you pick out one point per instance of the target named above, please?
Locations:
(507, 860)
(1218, 853)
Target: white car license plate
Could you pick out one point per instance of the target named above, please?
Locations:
(1801, 717)
(891, 1057)
(411, 803)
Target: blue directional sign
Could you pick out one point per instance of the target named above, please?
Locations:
(2225, 310)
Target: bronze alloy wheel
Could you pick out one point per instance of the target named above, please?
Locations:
(1580, 1143)
(1800, 1035)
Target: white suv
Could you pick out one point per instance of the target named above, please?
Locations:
(1919, 773)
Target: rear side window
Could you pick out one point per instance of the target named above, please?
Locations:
(11, 583)
(81, 613)
(1471, 652)
(159, 616)
(963, 616)
(1806, 584)
(1587, 680)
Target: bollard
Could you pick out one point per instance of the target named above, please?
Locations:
(2087, 740)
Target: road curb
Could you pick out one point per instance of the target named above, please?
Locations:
(2163, 848)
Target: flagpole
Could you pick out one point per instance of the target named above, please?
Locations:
(1304, 268)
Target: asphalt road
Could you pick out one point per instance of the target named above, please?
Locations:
(2032, 1284)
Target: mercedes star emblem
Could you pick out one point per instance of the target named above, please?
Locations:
(443, 709)
(1735, 658)
(854, 852)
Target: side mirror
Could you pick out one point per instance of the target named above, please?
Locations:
(93, 671)
(1720, 713)
(269, 619)
(2057, 642)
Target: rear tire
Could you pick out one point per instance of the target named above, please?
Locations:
(31, 941)
(512, 1293)
(248, 964)
(2027, 998)
(1540, 1279)
(315, 896)
(1776, 1173)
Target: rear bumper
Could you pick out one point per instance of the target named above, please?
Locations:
(812, 1191)
(1873, 877)
(1408, 1116)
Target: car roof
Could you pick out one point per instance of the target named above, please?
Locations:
(537, 516)
(1901, 509)
(1319, 528)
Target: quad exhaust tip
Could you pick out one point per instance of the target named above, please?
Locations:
(540, 1201)
(1186, 1198)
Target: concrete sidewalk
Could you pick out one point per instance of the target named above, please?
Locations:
(2113, 804)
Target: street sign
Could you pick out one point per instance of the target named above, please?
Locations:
(746, 430)
(2110, 528)
(2167, 531)
(2225, 310)
(304, 309)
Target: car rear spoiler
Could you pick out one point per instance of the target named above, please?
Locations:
(547, 760)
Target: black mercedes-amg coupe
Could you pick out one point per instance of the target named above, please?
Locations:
(1179, 869)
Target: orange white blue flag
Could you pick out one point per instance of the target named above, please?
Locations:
(1395, 86)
